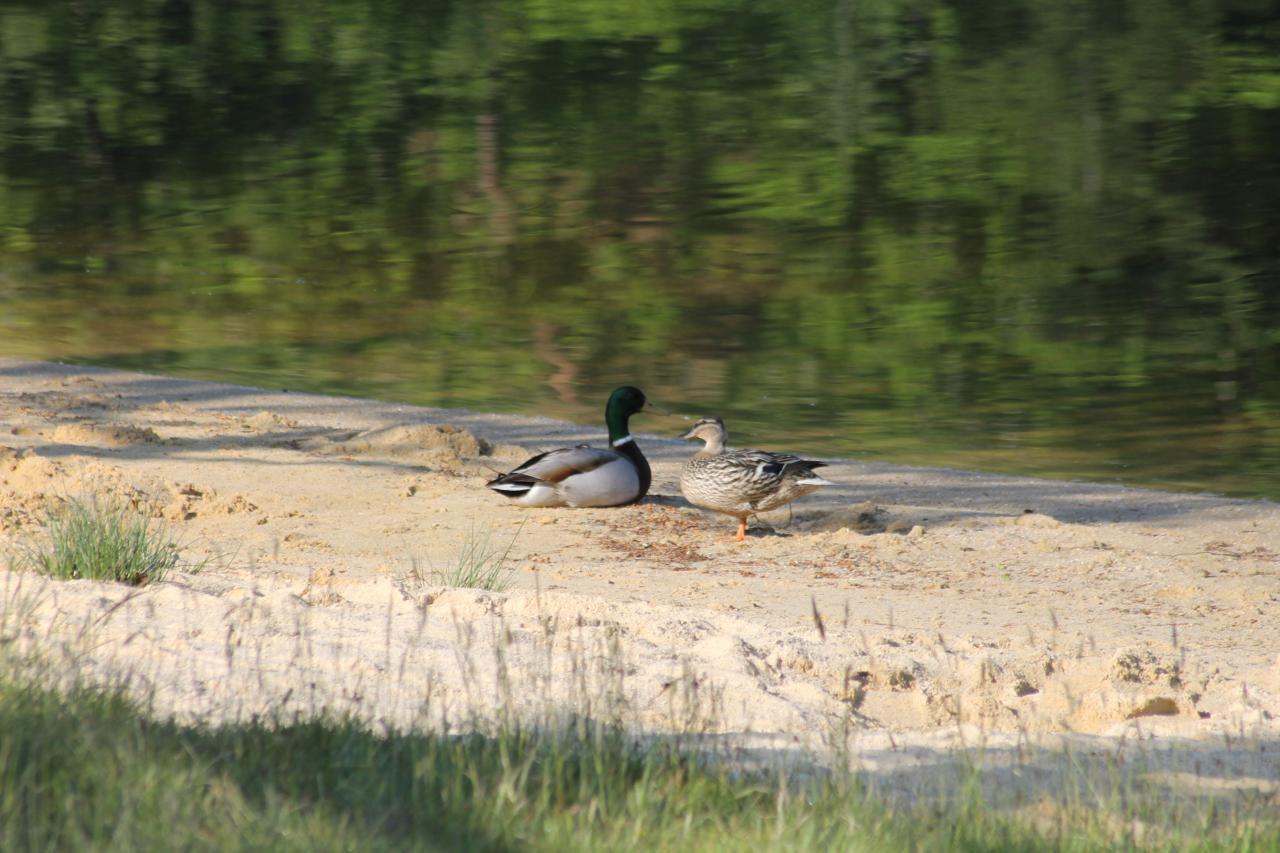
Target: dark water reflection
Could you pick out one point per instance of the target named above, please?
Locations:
(1020, 236)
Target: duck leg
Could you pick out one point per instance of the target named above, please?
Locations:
(742, 531)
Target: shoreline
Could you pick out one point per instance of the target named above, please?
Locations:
(560, 424)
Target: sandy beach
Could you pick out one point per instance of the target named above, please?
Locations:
(907, 608)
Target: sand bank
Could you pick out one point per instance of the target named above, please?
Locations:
(954, 606)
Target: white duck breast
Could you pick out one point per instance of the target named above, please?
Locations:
(560, 478)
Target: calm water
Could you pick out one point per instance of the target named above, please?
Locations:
(1035, 236)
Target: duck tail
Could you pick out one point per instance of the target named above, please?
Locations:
(805, 467)
(513, 485)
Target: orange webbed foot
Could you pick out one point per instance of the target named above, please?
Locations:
(742, 532)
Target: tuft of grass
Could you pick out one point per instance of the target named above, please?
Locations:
(101, 540)
(479, 564)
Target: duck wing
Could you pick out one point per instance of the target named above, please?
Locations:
(774, 464)
(758, 475)
(555, 466)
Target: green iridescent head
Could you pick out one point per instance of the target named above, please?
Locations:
(623, 403)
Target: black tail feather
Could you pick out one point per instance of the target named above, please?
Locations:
(512, 485)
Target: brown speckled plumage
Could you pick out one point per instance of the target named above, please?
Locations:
(743, 482)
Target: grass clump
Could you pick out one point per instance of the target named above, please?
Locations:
(479, 564)
(101, 540)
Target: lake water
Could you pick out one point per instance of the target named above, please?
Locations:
(1034, 237)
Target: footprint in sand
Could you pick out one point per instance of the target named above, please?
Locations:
(189, 500)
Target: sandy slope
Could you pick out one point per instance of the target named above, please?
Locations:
(954, 605)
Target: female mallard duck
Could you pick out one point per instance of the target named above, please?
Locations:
(743, 482)
(584, 475)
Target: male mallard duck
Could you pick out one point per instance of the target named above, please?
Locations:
(743, 482)
(584, 475)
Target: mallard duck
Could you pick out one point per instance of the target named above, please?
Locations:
(585, 475)
(743, 482)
